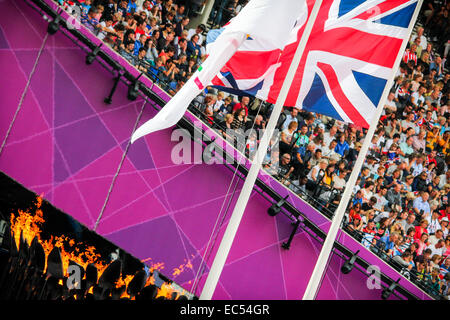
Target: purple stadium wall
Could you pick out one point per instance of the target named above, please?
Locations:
(66, 144)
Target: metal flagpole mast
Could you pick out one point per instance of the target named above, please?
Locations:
(230, 232)
(316, 277)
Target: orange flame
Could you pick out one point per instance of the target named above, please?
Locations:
(166, 291)
(29, 224)
(177, 271)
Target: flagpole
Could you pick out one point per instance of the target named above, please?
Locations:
(233, 224)
(316, 277)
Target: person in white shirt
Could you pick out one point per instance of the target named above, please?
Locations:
(292, 116)
(390, 103)
(445, 178)
(367, 191)
(417, 165)
(381, 200)
(330, 135)
(438, 248)
(106, 28)
(417, 97)
(328, 151)
(433, 239)
(444, 226)
(339, 180)
(199, 30)
(433, 222)
(395, 139)
(423, 39)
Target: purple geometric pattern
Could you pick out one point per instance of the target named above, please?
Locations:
(67, 145)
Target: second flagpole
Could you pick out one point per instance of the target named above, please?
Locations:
(238, 212)
(319, 269)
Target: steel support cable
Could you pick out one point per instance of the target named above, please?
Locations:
(215, 230)
(24, 93)
(119, 168)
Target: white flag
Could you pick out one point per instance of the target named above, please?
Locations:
(267, 22)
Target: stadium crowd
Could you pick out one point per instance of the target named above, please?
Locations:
(400, 206)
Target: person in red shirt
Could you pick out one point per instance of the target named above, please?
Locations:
(431, 158)
(370, 227)
(243, 104)
(445, 213)
(420, 229)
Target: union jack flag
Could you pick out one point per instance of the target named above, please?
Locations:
(345, 66)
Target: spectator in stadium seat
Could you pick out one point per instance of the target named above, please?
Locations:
(240, 118)
(308, 120)
(140, 43)
(285, 168)
(444, 226)
(421, 228)
(389, 242)
(302, 159)
(433, 222)
(421, 204)
(193, 48)
(197, 32)
(419, 141)
(328, 151)
(89, 21)
(286, 137)
(410, 221)
(243, 104)
(393, 196)
(356, 224)
(292, 116)
(404, 260)
(434, 238)
(128, 53)
(156, 71)
(422, 241)
(342, 146)
(438, 248)
(420, 182)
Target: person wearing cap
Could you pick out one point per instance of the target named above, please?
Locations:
(356, 223)
(444, 227)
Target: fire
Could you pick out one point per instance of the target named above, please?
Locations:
(150, 281)
(29, 224)
(124, 282)
(177, 271)
(166, 291)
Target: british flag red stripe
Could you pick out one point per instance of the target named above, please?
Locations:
(346, 63)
